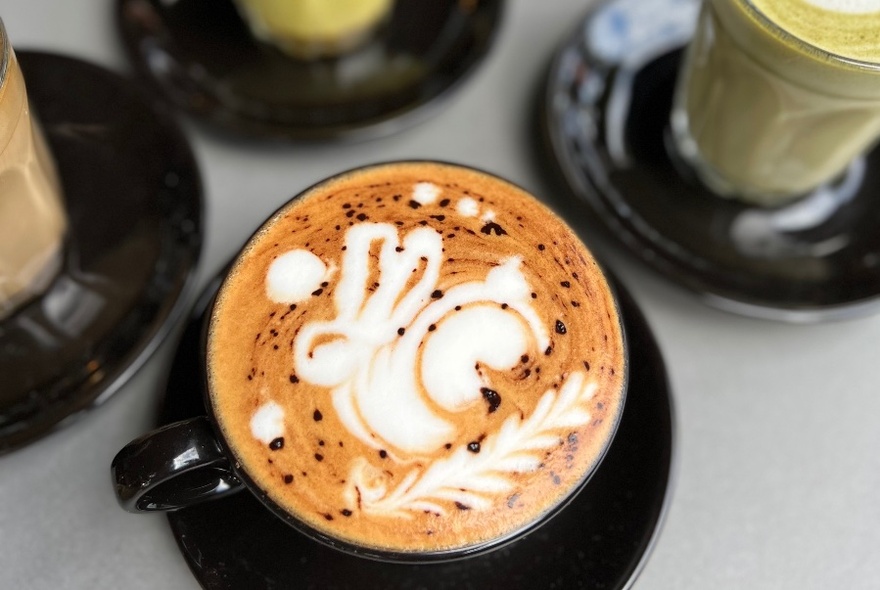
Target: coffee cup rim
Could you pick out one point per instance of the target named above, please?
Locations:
(378, 553)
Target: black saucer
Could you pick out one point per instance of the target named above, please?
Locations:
(599, 541)
(134, 200)
(605, 116)
(202, 57)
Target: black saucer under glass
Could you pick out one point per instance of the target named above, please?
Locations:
(201, 56)
(600, 541)
(134, 201)
(605, 115)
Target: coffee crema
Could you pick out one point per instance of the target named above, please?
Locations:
(416, 357)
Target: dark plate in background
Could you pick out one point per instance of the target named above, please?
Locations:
(605, 118)
(201, 56)
(134, 200)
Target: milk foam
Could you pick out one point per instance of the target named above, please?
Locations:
(847, 6)
(417, 361)
(843, 27)
(369, 355)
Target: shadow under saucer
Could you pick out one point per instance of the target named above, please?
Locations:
(605, 116)
(599, 541)
(134, 202)
(200, 55)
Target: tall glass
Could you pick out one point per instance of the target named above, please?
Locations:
(764, 116)
(32, 216)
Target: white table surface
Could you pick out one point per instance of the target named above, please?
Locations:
(777, 483)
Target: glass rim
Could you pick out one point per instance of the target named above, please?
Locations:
(784, 34)
(5, 51)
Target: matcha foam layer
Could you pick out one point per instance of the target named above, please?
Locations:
(847, 28)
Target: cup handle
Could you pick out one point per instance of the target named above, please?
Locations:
(173, 467)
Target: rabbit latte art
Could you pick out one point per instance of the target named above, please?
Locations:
(416, 357)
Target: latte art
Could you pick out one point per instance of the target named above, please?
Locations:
(397, 363)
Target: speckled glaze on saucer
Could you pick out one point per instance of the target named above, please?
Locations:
(605, 117)
(133, 195)
(600, 541)
(201, 56)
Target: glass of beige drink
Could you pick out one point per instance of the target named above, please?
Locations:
(777, 97)
(312, 29)
(413, 361)
(32, 216)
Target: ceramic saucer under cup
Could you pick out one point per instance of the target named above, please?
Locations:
(605, 116)
(601, 540)
(201, 56)
(133, 196)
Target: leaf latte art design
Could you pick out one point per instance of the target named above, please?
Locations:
(467, 478)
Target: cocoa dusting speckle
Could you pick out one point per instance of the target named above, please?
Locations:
(401, 331)
(492, 398)
(437, 294)
(362, 217)
(294, 379)
(473, 447)
(346, 205)
(586, 365)
(504, 306)
(575, 303)
(350, 214)
(423, 223)
(328, 516)
(274, 347)
(317, 416)
(414, 204)
(321, 443)
(461, 506)
(319, 457)
(432, 327)
(383, 453)
(565, 284)
(288, 479)
(277, 444)
(548, 351)
(491, 227)
(250, 377)
(444, 203)
(560, 327)
(398, 249)
(457, 308)
(338, 227)
(438, 217)
(317, 292)
(447, 446)
(524, 358)
(534, 295)
(541, 247)
(345, 512)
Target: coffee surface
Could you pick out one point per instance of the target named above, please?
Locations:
(844, 27)
(416, 357)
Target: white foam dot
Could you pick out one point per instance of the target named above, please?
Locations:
(267, 423)
(848, 6)
(468, 207)
(293, 276)
(425, 193)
